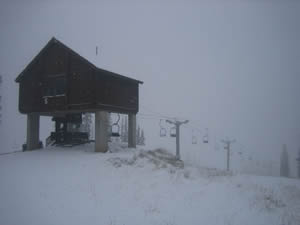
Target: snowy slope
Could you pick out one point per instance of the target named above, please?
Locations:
(127, 186)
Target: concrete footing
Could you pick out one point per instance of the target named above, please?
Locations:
(101, 128)
(33, 131)
(132, 131)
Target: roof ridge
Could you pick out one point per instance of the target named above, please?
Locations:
(55, 40)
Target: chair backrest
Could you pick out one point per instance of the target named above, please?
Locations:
(162, 132)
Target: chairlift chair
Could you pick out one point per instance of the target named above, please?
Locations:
(205, 137)
(163, 131)
(173, 132)
(115, 128)
(194, 140)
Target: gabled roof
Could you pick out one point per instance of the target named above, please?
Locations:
(55, 41)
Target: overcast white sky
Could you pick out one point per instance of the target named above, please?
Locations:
(233, 66)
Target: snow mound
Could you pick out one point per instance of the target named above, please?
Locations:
(160, 158)
(267, 199)
(136, 186)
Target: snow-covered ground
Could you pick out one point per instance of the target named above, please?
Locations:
(128, 186)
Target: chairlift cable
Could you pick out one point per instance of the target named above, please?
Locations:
(194, 124)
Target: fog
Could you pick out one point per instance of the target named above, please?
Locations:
(231, 67)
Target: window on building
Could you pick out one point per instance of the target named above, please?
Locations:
(56, 86)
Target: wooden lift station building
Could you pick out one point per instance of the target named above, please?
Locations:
(60, 83)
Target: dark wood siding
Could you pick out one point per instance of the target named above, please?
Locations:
(59, 80)
(81, 84)
(55, 69)
(55, 61)
(31, 90)
(116, 94)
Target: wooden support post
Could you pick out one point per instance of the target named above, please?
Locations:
(101, 139)
(132, 131)
(33, 132)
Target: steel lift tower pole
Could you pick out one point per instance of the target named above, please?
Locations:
(227, 147)
(177, 125)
